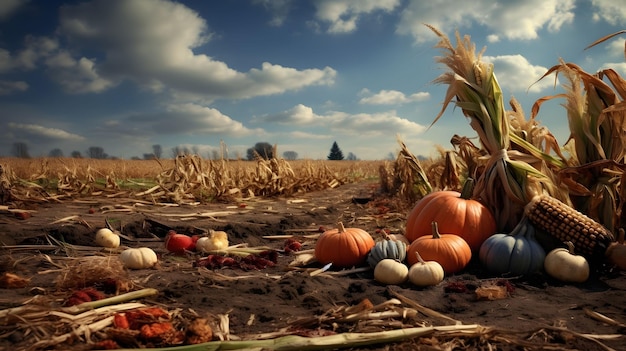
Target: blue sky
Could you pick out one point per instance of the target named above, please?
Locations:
(126, 75)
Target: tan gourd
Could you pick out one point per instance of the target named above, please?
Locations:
(105, 237)
(389, 271)
(616, 253)
(426, 273)
(217, 240)
(563, 264)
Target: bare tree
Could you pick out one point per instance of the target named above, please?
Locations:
(76, 154)
(20, 149)
(179, 151)
(290, 155)
(157, 150)
(96, 152)
(55, 153)
(263, 149)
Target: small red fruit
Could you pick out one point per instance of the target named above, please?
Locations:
(22, 215)
(178, 243)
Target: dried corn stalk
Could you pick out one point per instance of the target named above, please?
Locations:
(404, 178)
(509, 181)
(468, 154)
(597, 119)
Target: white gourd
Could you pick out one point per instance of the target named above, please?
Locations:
(138, 258)
(563, 264)
(426, 273)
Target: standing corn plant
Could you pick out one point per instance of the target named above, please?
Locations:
(508, 181)
(597, 120)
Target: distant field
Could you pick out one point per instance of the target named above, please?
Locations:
(182, 179)
(32, 168)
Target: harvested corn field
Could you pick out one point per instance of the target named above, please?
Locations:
(191, 254)
(53, 251)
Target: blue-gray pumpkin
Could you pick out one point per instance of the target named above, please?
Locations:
(516, 253)
(386, 248)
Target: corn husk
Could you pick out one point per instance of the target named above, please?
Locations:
(509, 181)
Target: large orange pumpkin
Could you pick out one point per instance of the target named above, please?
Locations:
(456, 213)
(451, 251)
(343, 247)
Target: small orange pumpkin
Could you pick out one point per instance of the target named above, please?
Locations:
(343, 247)
(450, 250)
(456, 213)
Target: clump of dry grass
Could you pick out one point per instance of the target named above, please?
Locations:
(91, 271)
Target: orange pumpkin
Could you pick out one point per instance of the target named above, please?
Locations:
(456, 213)
(343, 247)
(451, 251)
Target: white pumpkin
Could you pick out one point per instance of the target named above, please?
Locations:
(563, 264)
(217, 240)
(426, 273)
(138, 258)
(390, 271)
(106, 238)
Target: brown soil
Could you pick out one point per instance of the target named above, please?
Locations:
(274, 298)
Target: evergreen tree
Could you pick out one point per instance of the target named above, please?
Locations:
(335, 152)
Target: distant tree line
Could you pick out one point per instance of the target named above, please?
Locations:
(260, 150)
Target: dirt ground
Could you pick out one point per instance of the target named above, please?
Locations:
(539, 313)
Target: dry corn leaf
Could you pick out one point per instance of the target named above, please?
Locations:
(13, 281)
(491, 292)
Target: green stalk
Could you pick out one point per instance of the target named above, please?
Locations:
(133, 295)
(468, 189)
(300, 343)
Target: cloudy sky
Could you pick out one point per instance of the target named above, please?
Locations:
(126, 75)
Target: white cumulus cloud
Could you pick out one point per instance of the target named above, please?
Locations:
(38, 131)
(152, 43)
(505, 19)
(9, 87)
(279, 9)
(187, 118)
(391, 97)
(516, 74)
(610, 11)
(342, 15)
(9, 7)
(384, 123)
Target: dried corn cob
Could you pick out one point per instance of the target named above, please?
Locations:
(564, 223)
